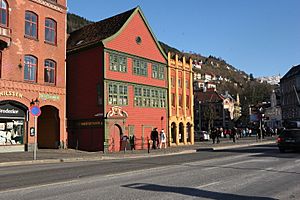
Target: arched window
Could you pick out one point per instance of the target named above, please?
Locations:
(31, 25)
(49, 71)
(30, 68)
(50, 31)
(3, 13)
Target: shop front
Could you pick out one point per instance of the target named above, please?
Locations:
(13, 125)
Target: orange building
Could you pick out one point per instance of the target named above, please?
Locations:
(181, 114)
(32, 71)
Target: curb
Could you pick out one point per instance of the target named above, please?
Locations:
(242, 145)
(128, 156)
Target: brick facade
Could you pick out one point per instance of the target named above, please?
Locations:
(51, 123)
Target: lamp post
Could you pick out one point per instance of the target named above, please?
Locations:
(199, 109)
(260, 122)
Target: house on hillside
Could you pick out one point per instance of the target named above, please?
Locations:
(209, 110)
(273, 113)
(32, 73)
(290, 94)
(117, 83)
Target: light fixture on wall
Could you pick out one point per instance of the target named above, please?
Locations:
(20, 63)
(35, 102)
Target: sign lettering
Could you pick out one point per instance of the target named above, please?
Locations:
(11, 94)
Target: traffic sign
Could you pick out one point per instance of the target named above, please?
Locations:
(35, 111)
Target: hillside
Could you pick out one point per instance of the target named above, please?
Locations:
(75, 22)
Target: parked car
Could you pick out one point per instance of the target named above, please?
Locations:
(202, 136)
(289, 139)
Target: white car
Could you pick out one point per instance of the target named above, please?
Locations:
(202, 136)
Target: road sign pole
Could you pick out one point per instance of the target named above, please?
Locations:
(35, 137)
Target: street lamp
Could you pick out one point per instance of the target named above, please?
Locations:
(199, 108)
(260, 122)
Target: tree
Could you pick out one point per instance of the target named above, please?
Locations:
(209, 115)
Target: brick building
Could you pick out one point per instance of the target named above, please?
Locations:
(117, 83)
(181, 101)
(32, 54)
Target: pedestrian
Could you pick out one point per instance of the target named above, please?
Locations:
(124, 142)
(154, 138)
(213, 135)
(132, 142)
(218, 135)
(233, 134)
(163, 139)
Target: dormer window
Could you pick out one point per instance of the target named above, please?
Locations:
(3, 13)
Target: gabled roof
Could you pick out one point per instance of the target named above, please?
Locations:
(208, 96)
(98, 31)
(104, 30)
(292, 72)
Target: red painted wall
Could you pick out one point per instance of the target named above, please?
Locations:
(84, 72)
(144, 119)
(126, 40)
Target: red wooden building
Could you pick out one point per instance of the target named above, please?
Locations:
(116, 83)
(32, 67)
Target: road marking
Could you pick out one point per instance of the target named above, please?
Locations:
(209, 184)
(141, 171)
(38, 186)
(296, 161)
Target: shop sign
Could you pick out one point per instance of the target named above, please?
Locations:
(11, 94)
(86, 123)
(52, 97)
(7, 110)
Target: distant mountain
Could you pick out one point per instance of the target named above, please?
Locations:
(273, 80)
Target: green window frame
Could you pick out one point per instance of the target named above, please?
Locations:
(158, 71)
(140, 67)
(117, 63)
(149, 97)
(117, 94)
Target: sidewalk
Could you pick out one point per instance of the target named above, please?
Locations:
(71, 155)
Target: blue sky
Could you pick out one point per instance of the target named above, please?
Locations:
(261, 37)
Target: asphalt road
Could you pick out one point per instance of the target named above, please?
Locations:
(248, 173)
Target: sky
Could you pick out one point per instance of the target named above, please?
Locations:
(259, 37)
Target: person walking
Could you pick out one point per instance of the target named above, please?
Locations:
(233, 134)
(132, 142)
(218, 135)
(154, 138)
(213, 135)
(163, 139)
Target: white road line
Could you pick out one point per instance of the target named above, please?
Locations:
(38, 186)
(209, 184)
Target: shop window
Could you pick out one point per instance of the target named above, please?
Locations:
(3, 13)
(50, 31)
(11, 124)
(49, 71)
(31, 24)
(30, 68)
